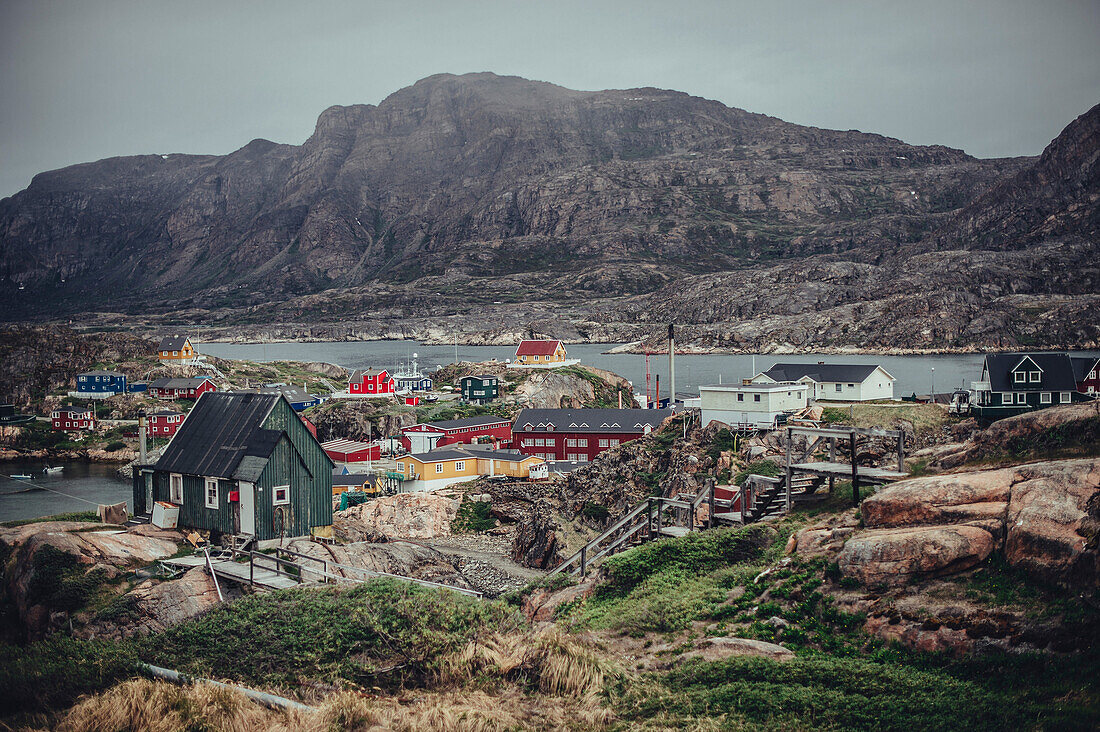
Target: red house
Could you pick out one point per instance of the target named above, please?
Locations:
(371, 382)
(350, 451)
(1086, 372)
(581, 434)
(164, 423)
(181, 388)
(424, 437)
(73, 418)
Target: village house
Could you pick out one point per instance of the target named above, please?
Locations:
(343, 482)
(371, 383)
(840, 382)
(164, 422)
(487, 429)
(458, 464)
(414, 381)
(751, 405)
(352, 451)
(297, 396)
(241, 464)
(1013, 383)
(541, 354)
(73, 419)
(99, 384)
(183, 388)
(581, 434)
(1086, 372)
(176, 350)
(479, 389)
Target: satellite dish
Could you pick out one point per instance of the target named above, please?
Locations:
(416, 355)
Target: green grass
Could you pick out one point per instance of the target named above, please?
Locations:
(86, 516)
(766, 468)
(473, 517)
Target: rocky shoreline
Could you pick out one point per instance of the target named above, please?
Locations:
(120, 457)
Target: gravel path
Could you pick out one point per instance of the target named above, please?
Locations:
(485, 561)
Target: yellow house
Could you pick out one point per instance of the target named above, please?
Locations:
(446, 466)
(540, 353)
(176, 349)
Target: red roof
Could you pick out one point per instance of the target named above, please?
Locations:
(537, 348)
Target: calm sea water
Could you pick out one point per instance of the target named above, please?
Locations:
(80, 487)
(914, 374)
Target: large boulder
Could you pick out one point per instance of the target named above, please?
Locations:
(543, 604)
(896, 556)
(716, 649)
(940, 499)
(395, 557)
(418, 515)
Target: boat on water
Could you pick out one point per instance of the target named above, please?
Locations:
(53, 471)
(21, 476)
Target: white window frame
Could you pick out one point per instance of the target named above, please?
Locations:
(211, 483)
(756, 397)
(740, 397)
(582, 443)
(460, 466)
(439, 467)
(275, 500)
(1035, 377)
(1006, 397)
(175, 488)
(1044, 398)
(603, 442)
(839, 388)
(1021, 397)
(1019, 377)
(613, 442)
(1064, 398)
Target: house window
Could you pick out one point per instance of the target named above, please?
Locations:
(740, 397)
(175, 353)
(211, 492)
(1021, 397)
(613, 442)
(460, 465)
(1044, 398)
(603, 443)
(582, 443)
(1092, 374)
(1036, 377)
(570, 443)
(1018, 376)
(280, 495)
(1064, 398)
(175, 488)
(756, 397)
(1006, 398)
(439, 467)
(838, 387)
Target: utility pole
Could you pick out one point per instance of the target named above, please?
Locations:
(671, 368)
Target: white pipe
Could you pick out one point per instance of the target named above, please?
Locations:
(268, 700)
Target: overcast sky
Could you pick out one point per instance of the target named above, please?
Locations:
(82, 80)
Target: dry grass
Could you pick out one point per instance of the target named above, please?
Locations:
(154, 706)
(924, 417)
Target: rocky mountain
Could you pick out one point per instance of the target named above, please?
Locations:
(473, 188)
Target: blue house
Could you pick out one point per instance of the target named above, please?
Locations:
(100, 384)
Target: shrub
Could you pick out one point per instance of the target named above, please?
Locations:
(766, 468)
(115, 446)
(595, 511)
(473, 517)
(54, 672)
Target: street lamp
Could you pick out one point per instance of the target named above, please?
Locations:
(932, 394)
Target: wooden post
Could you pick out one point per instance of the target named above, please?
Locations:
(660, 511)
(584, 560)
(901, 451)
(855, 472)
(832, 459)
(649, 519)
(251, 568)
(744, 497)
(710, 505)
(788, 486)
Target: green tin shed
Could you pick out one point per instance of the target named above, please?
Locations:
(242, 464)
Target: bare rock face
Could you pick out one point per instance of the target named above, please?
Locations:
(1044, 516)
(896, 556)
(825, 538)
(170, 603)
(419, 515)
(716, 649)
(542, 605)
(393, 557)
(359, 419)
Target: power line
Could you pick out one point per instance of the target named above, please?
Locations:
(23, 481)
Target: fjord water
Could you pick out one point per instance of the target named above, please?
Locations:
(914, 374)
(80, 487)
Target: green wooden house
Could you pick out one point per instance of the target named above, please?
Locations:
(242, 464)
(480, 389)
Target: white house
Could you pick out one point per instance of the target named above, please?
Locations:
(834, 381)
(750, 404)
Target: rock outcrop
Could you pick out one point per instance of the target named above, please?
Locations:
(393, 557)
(418, 515)
(1044, 517)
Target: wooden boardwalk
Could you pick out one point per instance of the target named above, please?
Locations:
(250, 573)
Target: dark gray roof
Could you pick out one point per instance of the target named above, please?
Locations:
(354, 479)
(450, 424)
(223, 436)
(486, 451)
(292, 393)
(1055, 368)
(172, 343)
(446, 453)
(1082, 365)
(179, 383)
(592, 420)
(101, 373)
(165, 413)
(821, 372)
(483, 377)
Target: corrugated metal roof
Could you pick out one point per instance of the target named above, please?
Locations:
(179, 383)
(591, 420)
(220, 432)
(822, 372)
(537, 348)
(452, 424)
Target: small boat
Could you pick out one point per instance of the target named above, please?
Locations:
(21, 476)
(53, 471)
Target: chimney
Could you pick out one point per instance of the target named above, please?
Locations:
(671, 368)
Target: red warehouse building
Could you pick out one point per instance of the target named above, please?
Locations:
(350, 451)
(73, 418)
(371, 382)
(164, 423)
(581, 434)
(181, 388)
(419, 438)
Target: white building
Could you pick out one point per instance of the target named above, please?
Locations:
(755, 405)
(839, 382)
